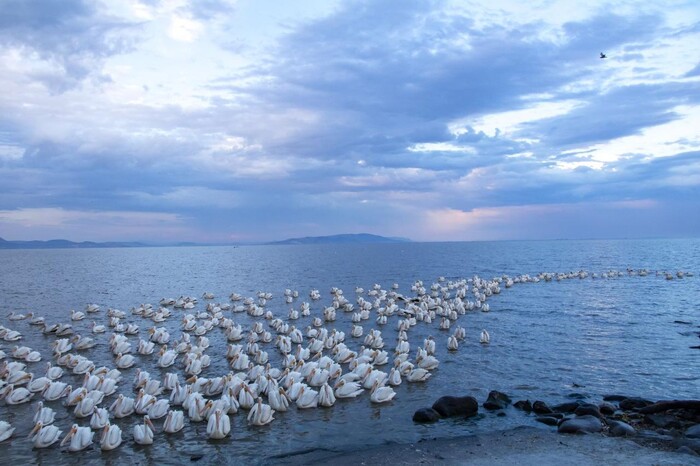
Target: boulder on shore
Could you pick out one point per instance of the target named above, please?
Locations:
(523, 405)
(634, 403)
(540, 407)
(449, 406)
(588, 408)
(620, 429)
(426, 415)
(497, 400)
(580, 425)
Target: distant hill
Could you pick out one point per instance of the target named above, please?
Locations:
(342, 239)
(64, 244)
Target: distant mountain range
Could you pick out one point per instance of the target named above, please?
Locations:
(342, 239)
(66, 244)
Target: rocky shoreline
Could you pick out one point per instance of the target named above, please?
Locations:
(620, 430)
(667, 424)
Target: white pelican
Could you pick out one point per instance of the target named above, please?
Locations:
(199, 409)
(485, 337)
(174, 422)
(143, 401)
(158, 409)
(53, 372)
(82, 343)
(429, 345)
(35, 320)
(97, 328)
(418, 375)
(44, 436)
(260, 414)
(62, 345)
(75, 396)
(6, 430)
(326, 397)
(427, 362)
(107, 385)
(145, 347)
(85, 407)
(246, 398)
(76, 315)
(452, 344)
(111, 437)
(124, 361)
(56, 390)
(82, 365)
(80, 438)
(394, 377)
(381, 394)
(92, 308)
(20, 352)
(219, 425)
(38, 385)
(278, 400)
(122, 406)
(44, 414)
(15, 396)
(307, 398)
(347, 389)
(13, 316)
(99, 419)
(143, 433)
(167, 357)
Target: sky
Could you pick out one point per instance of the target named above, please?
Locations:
(221, 121)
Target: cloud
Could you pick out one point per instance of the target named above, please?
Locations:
(62, 42)
(348, 116)
(51, 223)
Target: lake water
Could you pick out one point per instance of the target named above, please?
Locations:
(548, 339)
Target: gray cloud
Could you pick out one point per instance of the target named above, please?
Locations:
(72, 35)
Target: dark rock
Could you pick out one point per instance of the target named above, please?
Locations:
(693, 431)
(549, 420)
(425, 415)
(662, 420)
(615, 397)
(496, 400)
(687, 451)
(653, 435)
(588, 409)
(196, 457)
(523, 405)
(607, 408)
(501, 414)
(568, 407)
(580, 424)
(448, 406)
(577, 396)
(540, 407)
(634, 403)
(691, 443)
(621, 429)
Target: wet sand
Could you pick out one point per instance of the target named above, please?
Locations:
(519, 446)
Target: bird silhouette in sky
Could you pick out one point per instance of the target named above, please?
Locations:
(602, 55)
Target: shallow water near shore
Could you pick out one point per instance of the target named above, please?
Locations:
(548, 339)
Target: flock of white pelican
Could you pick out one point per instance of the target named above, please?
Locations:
(315, 365)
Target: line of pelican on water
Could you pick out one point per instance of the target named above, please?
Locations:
(317, 366)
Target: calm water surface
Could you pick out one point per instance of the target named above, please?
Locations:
(605, 335)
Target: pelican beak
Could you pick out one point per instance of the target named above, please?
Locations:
(69, 435)
(150, 424)
(37, 428)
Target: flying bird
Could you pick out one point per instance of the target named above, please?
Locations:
(602, 55)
